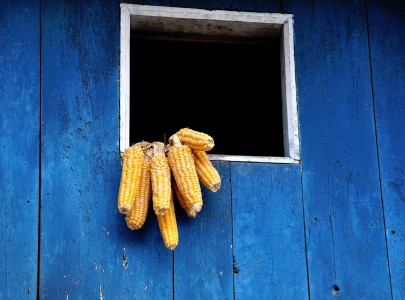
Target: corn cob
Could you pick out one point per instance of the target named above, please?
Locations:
(130, 178)
(190, 212)
(207, 173)
(137, 216)
(195, 140)
(168, 227)
(181, 161)
(161, 179)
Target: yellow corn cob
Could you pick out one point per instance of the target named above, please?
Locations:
(130, 178)
(190, 212)
(137, 216)
(195, 140)
(181, 161)
(207, 173)
(168, 227)
(161, 179)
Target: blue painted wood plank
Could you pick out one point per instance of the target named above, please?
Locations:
(200, 4)
(19, 148)
(387, 44)
(237, 5)
(86, 250)
(268, 232)
(268, 6)
(203, 258)
(148, 2)
(346, 248)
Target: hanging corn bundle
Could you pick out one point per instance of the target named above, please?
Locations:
(147, 172)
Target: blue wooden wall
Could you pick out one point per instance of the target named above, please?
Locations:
(332, 227)
(20, 176)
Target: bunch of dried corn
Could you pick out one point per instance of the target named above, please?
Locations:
(147, 172)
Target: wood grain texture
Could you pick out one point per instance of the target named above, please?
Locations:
(346, 250)
(148, 2)
(387, 44)
(268, 232)
(203, 258)
(86, 250)
(19, 148)
(201, 4)
(267, 6)
(272, 6)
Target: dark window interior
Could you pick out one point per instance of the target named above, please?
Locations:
(231, 91)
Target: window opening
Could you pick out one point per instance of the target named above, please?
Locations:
(229, 74)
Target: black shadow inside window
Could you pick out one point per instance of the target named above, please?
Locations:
(231, 91)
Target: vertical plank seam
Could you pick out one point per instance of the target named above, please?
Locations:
(173, 274)
(173, 281)
(39, 154)
(376, 144)
(305, 232)
(233, 256)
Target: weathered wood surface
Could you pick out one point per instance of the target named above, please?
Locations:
(203, 258)
(19, 148)
(251, 5)
(346, 250)
(268, 232)
(148, 2)
(86, 250)
(387, 44)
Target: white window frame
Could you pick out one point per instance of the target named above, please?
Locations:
(218, 23)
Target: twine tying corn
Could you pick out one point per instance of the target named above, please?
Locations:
(147, 170)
